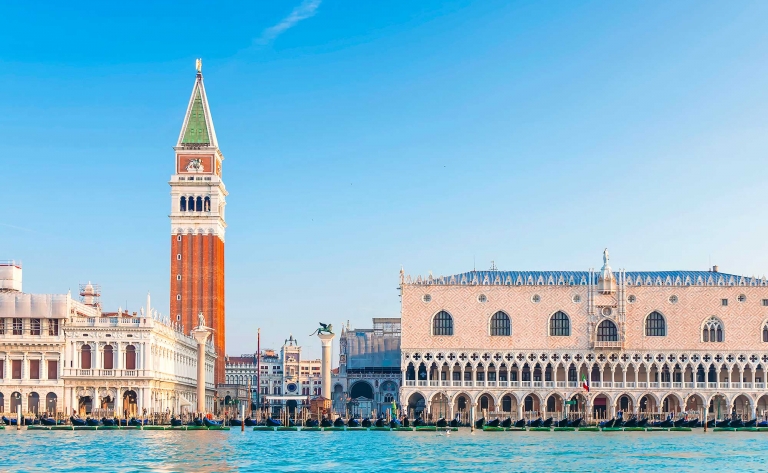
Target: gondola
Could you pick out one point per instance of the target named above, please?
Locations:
(380, 422)
(77, 422)
(418, 422)
(607, 424)
(326, 423)
(679, 422)
(507, 423)
(122, 422)
(691, 423)
(338, 422)
(535, 423)
(441, 422)
(642, 422)
(575, 422)
(479, 423)
(547, 423)
(92, 422)
(235, 422)
(562, 423)
(31, 421)
(722, 423)
(751, 423)
(353, 423)
(8, 421)
(395, 424)
(632, 422)
(174, 422)
(270, 422)
(291, 423)
(666, 423)
(311, 423)
(250, 422)
(107, 422)
(366, 422)
(138, 423)
(736, 423)
(406, 422)
(762, 423)
(211, 423)
(520, 423)
(711, 423)
(455, 423)
(48, 421)
(494, 423)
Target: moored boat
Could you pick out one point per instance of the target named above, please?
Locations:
(311, 423)
(174, 422)
(394, 424)
(48, 421)
(250, 422)
(367, 422)
(494, 423)
(235, 422)
(419, 422)
(507, 423)
(520, 423)
(562, 422)
(92, 422)
(270, 422)
(77, 421)
(547, 423)
(353, 423)
(479, 423)
(441, 422)
(211, 423)
(380, 422)
(338, 422)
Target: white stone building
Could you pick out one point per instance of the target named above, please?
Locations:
(60, 355)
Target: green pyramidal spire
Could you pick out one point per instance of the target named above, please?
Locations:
(197, 128)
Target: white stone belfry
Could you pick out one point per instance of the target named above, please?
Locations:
(201, 334)
(326, 339)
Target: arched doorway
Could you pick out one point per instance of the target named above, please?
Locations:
(107, 402)
(485, 404)
(624, 404)
(84, 405)
(461, 407)
(130, 408)
(742, 408)
(600, 406)
(508, 403)
(33, 403)
(50, 403)
(2, 402)
(762, 407)
(440, 406)
(694, 403)
(416, 405)
(554, 404)
(531, 403)
(338, 398)
(647, 403)
(718, 406)
(670, 403)
(15, 401)
(361, 389)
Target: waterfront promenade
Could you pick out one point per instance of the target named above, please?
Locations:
(250, 451)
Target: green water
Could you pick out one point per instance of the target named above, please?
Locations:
(203, 451)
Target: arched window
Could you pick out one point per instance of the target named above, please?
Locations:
(442, 324)
(207, 204)
(183, 204)
(130, 357)
(559, 325)
(500, 325)
(85, 357)
(607, 332)
(108, 359)
(199, 204)
(765, 332)
(712, 331)
(655, 325)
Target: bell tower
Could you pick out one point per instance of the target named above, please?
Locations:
(198, 198)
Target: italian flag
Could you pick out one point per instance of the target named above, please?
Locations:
(584, 382)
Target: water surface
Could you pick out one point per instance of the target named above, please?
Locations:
(203, 451)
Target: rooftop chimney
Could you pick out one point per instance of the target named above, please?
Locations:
(714, 269)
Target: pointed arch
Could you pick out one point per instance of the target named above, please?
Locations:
(607, 331)
(500, 324)
(655, 325)
(442, 324)
(712, 330)
(559, 324)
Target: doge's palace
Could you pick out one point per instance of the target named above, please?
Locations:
(521, 343)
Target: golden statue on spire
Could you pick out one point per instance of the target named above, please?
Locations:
(199, 65)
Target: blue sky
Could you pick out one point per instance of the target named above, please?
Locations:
(362, 136)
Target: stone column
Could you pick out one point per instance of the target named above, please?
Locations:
(326, 339)
(201, 334)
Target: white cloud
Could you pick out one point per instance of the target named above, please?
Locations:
(306, 9)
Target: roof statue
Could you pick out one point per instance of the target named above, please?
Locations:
(199, 65)
(201, 319)
(324, 328)
(606, 257)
